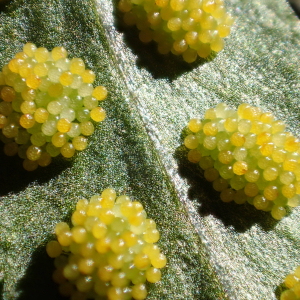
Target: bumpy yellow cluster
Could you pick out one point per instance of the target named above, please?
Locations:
(184, 27)
(248, 156)
(110, 251)
(47, 103)
(292, 282)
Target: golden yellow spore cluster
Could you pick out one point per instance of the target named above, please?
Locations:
(292, 282)
(248, 156)
(109, 252)
(47, 103)
(189, 28)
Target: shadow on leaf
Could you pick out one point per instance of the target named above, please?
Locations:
(295, 4)
(1, 288)
(3, 5)
(37, 283)
(241, 217)
(279, 290)
(167, 66)
(14, 178)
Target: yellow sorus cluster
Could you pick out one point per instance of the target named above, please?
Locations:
(189, 28)
(109, 252)
(292, 282)
(248, 156)
(47, 103)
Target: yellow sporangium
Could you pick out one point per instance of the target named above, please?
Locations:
(292, 282)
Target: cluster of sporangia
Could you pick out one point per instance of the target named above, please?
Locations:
(292, 282)
(248, 156)
(110, 251)
(184, 27)
(47, 103)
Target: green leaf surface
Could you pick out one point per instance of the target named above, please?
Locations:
(214, 250)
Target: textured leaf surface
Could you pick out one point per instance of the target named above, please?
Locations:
(215, 250)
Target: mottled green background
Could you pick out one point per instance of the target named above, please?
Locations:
(214, 250)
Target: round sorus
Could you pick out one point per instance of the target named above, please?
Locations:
(46, 101)
(187, 28)
(292, 282)
(109, 252)
(248, 156)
